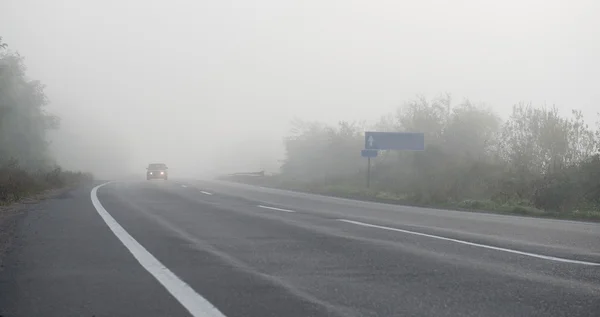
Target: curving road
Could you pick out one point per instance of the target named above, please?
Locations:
(207, 248)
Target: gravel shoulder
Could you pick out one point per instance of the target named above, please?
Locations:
(10, 215)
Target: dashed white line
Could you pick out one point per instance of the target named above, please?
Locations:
(197, 305)
(273, 208)
(184, 186)
(206, 193)
(534, 255)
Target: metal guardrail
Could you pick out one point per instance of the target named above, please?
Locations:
(261, 173)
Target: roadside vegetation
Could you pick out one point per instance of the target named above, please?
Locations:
(26, 168)
(536, 162)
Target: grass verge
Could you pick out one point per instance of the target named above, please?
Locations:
(17, 183)
(353, 192)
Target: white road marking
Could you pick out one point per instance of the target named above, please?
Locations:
(184, 186)
(534, 255)
(205, 193)
(197, 305)
(273, 208)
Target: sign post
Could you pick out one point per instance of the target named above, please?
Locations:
(369, 172)
(399, 141)
(368, 154)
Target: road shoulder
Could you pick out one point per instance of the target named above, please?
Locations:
(10, 216)
(65, 262)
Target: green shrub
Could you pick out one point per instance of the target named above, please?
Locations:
(17, 183)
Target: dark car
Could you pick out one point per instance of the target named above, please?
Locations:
(157, 171)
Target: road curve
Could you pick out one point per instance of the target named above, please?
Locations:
(207, 248)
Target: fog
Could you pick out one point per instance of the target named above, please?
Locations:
(211, 86)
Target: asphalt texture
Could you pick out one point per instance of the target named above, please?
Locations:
(253, 251)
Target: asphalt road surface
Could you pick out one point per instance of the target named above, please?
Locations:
(205, 248)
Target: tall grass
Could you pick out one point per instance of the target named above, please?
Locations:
(17, 183)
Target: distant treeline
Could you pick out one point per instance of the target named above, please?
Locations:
(25, 164)
(535, 161)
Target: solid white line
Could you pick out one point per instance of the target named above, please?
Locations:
(534, 255)
(205, 193)
(182, 292)
(273, 208)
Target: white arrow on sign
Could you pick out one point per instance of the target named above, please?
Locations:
(370, 141)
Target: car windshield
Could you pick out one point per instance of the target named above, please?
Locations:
(157, 166)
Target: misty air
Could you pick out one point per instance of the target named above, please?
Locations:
(299, 158)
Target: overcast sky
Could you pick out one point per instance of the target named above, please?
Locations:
(213, 84)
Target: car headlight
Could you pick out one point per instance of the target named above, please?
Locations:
(150, 173)
(162, 173)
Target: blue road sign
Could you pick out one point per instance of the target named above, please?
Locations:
(409, 141)
(368, 153)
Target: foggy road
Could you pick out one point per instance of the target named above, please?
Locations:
(487, 106)
(208, 248)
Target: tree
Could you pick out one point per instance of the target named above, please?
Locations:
(539, 140)
(23, 121)
(317, 151)
(537, 157)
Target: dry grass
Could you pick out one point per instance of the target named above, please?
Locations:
(17, 183)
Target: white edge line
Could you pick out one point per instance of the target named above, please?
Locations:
(273, 208)
(206, 193)
(534, 255)
(197, 305)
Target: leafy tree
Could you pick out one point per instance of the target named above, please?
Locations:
(23, 121)
(320, 152)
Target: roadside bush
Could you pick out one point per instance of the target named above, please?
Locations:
(17, 183)
(557, 192)
(536, 161)
(573, 188)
